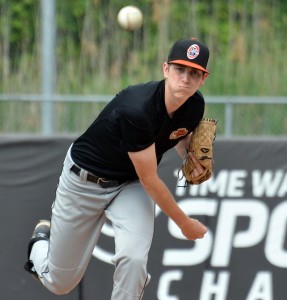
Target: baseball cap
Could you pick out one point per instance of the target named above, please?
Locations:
(189, 52)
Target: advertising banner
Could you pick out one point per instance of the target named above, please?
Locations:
(244, 254)
(244, 205)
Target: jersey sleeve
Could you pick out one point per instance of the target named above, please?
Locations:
(137, 132)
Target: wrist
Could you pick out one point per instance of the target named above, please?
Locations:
(184, 222)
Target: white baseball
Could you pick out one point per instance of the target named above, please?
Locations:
(130, 18)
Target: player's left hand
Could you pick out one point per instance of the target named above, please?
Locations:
(198, 167)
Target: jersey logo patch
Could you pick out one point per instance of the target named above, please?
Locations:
(178, 133)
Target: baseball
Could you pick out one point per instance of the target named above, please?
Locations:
(130, 18)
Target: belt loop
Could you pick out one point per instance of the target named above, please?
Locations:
(83, 175)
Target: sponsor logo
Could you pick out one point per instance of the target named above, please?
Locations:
(204, 150)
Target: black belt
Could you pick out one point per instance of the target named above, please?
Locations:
(105, 183)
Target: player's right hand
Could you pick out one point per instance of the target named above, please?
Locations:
(192, 229)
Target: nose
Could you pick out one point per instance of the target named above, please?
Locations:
(185, 76)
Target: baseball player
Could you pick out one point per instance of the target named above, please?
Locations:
(111, 172)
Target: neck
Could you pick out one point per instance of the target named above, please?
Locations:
(170, 108)
(172, 103)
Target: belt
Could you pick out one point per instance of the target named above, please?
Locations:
(105, 183)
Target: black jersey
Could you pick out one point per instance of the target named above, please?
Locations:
(132, 121)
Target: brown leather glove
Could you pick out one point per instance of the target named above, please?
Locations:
(201, 145)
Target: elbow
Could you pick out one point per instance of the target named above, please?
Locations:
(145, 183)
(148, 182)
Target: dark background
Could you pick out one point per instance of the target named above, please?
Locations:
(29, 171)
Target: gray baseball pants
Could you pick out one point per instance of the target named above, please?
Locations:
(78, 214)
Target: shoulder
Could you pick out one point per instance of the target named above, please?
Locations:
(141, 97)
(143, 89)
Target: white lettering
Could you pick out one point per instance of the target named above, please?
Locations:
(262, 287)
(236, 183)
(210, 288)
(267, 183)
(282, 192)
(225, 236)
(216, 185)
(231, 183)
(201, 248)
(226, 183)
(164, 284)
(274, 247)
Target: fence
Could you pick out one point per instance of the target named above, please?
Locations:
(237, 115)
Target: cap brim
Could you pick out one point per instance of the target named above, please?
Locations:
(189, 64)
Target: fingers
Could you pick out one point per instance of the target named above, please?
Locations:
(194, 230)
(199, 169)
(203, 229)
(195, 173)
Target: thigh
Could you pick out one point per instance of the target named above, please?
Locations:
(73, 235)
(132, 212)
(77, 220)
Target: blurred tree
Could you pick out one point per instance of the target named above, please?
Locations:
(95, 54)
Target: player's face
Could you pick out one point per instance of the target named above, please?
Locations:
(183, 81)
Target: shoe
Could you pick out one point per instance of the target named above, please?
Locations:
(41, 232)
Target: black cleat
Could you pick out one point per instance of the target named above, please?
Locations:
(41, 232)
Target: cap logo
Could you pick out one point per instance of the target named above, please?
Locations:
(193, 51)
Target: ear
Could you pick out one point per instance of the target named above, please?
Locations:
(205, 75)
(165, 68)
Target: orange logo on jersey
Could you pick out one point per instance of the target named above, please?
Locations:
(178, 133)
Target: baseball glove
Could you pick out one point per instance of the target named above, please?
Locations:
(200, 144)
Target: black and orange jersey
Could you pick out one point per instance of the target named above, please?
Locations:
(132, 121)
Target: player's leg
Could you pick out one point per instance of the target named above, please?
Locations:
(77, 219)
(132, 217)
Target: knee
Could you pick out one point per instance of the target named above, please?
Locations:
(135, 262)
(59, 287)
(61, 282)
(132, 254)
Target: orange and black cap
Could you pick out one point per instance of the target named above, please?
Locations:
(189, 52)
